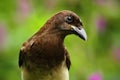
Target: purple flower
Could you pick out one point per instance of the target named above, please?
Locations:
(2, 35)
(100, 2)
(95, 76)
(101, 23)
(116, 54)
(24, 8)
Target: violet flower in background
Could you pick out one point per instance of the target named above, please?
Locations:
(95, 76)
(99, 1)
(2, 36)
(116, 54)
(24, 8)
(101, 23)
(51, 3)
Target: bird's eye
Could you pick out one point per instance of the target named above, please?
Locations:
(69, 19)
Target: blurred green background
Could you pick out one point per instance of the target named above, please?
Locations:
(98, 58)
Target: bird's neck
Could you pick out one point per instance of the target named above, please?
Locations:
(53, 42)
(52, 47)
(53, 36)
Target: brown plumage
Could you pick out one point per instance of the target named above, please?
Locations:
(43, 56)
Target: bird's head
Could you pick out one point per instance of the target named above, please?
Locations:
(67, 22)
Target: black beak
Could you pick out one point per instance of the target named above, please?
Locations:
(80, 32)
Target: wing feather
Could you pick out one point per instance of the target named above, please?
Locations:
(68, 62)
(21, 58)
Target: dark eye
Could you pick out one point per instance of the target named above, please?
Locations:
(69, 19)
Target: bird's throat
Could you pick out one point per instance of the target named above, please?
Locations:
(58, 73)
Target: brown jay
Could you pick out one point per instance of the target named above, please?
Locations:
(44, 56)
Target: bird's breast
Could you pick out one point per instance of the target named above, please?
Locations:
(58, 73)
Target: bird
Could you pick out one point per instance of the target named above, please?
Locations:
(44, 56)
